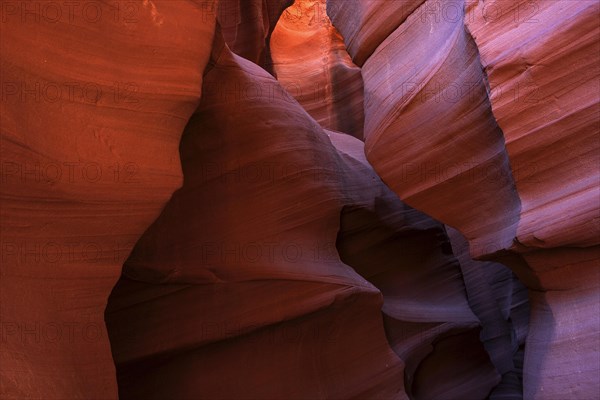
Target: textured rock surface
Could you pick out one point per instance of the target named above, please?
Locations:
(485, 115)
(500, 303)
(561, 352)
(89, 156)
(268, 296)
(296, 261)
(311, 63)
(429, 67)
(322, 193)
(365, 24)
(545, 94)
(247, 26)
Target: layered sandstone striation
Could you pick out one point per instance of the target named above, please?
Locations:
(545, 94)
(341, 199)
(302, 289)
(365, 24)
(247, 26)
(266, 296)
(485, 116)
(428, 67)
(89, 147)
(311, 63)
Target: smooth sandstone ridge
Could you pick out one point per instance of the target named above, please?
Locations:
(280, 298)
(247, 26)
(544, 94)
(309, 199)
(311, 63)
(485, 116)
(89, 151)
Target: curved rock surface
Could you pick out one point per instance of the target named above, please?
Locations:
(504, 96)
(247, 26)
(89, 157)
(277, 290)
(268, 296)
(545, 96)
(452, 255)
(500, 302)
(311, 63)
(429, 128)
(365, 24)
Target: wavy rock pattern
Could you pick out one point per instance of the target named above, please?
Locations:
(365, 24)
(526, 130)
(78, 187)
(429, 66)
(294, 260)
(311, 63)
(500, 302)
(545, 96)
(284, 283)
(247, 26)
(190, 256)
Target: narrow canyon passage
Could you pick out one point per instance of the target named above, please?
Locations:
(218, 258)
(309, 199)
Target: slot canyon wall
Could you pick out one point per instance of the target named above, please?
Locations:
(309, 199)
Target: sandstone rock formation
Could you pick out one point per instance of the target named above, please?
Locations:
(269, 296)
(185, 186)
(311, 63)
(504, 96)
(247, 26)
(365, 24)
(544, 95)
(421, 157)
(89, 157)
